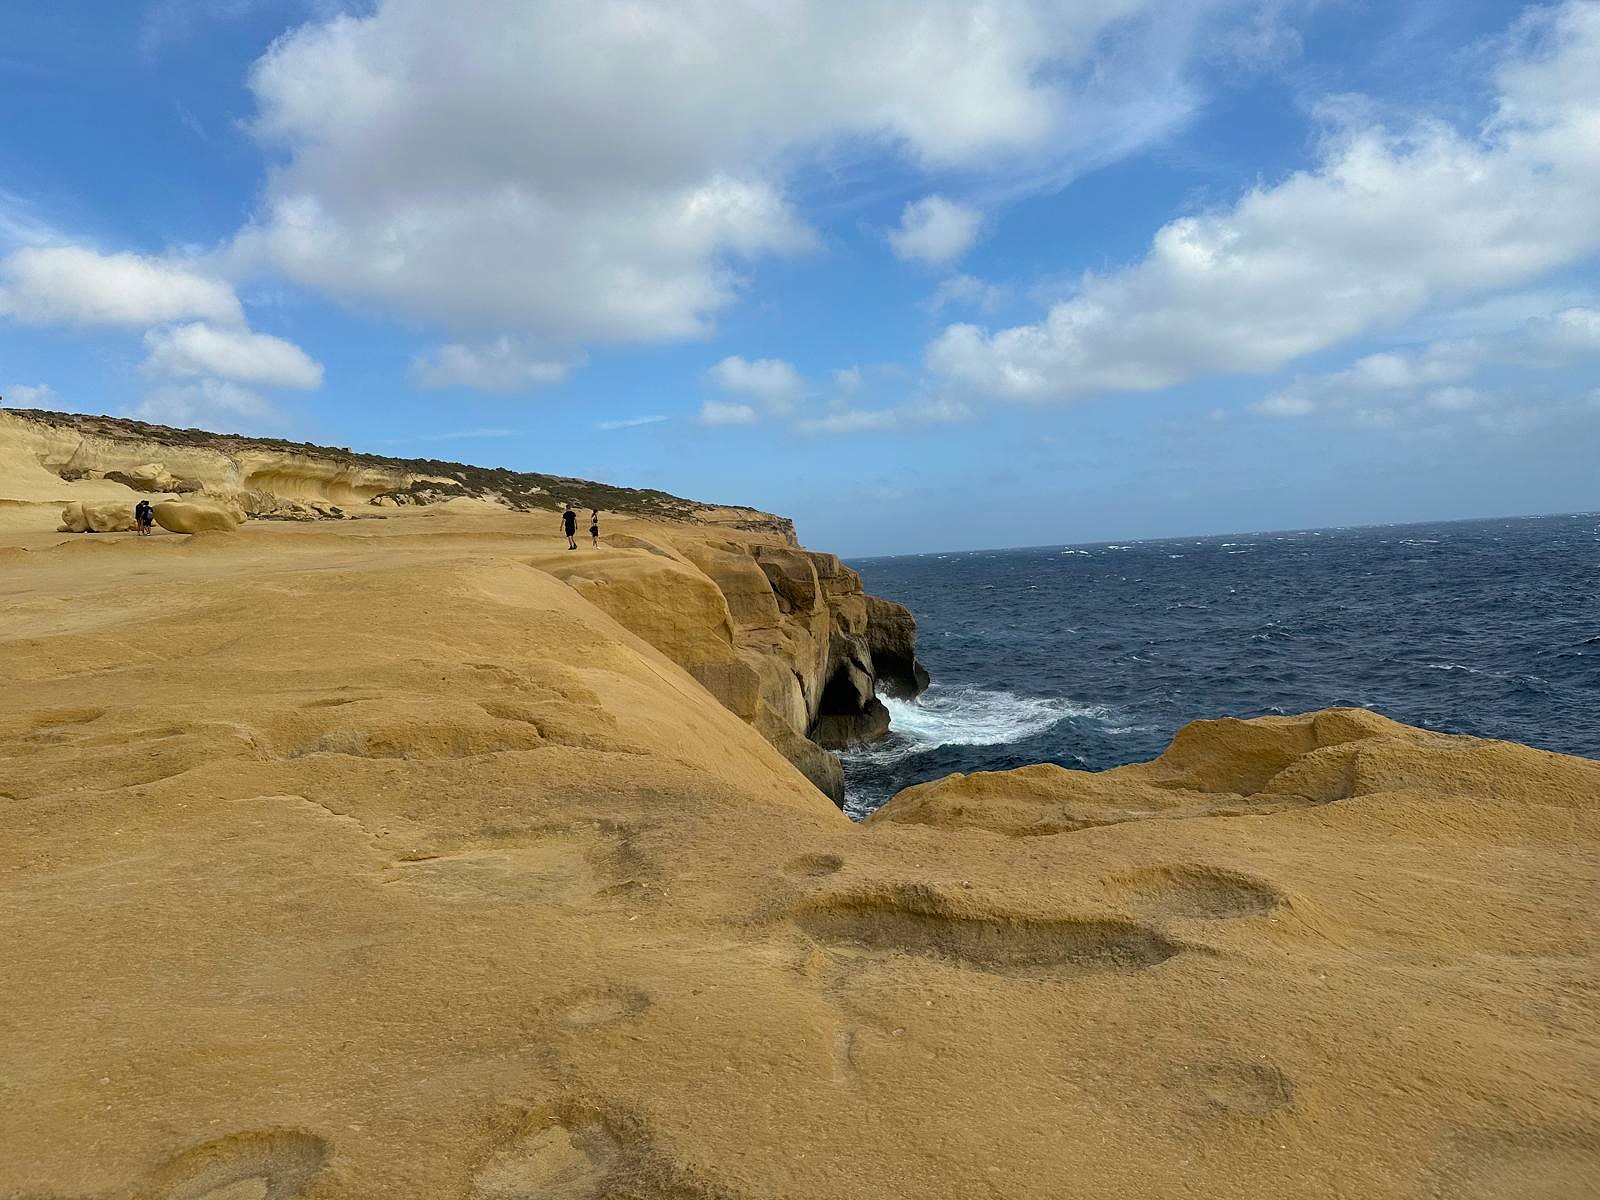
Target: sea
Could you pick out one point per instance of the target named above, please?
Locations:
(1092, 656)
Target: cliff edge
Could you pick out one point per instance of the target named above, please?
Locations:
(783, 636)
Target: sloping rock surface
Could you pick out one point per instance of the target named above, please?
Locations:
(371, 859)
(784, 637)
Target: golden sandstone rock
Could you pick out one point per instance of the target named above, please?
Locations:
(357, 860)
(196, 516)
(89, 516)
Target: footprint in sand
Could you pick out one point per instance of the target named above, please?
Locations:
(275, 1164)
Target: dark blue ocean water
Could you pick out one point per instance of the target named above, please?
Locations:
(1092, 656)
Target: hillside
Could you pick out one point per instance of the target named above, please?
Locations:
(275, 478)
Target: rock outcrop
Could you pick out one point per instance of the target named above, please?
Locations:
(182, 516)
(88, 516)
(367, 860)
(271, 478)
(1229, 767)
(783, 637)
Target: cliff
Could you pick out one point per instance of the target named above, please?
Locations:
(405, 857)
(784, 637)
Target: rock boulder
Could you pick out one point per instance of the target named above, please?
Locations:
(193, 516)
(96, 517)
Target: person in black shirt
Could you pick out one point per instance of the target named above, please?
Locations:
(144, 516)
(569, 523)
(594, 526)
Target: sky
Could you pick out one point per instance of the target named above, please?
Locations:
(922, 274)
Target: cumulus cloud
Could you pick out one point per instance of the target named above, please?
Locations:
(717, 412)
(1284, 404)
(966, 291)
(1432, 373)
(74, 285)
(499, 366)
(211, 403)
(23, 395)
(1390, 222)
(843, 418)
(198, 349)
(774, 383)
(935, 231)
(607, 171)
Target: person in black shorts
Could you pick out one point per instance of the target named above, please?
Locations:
(569, 524)
(594, 526)
(144, 516)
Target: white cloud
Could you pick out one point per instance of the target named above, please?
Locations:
(715, 412)
(1284, 404)
(1572, 331)
(628, 423)
(1388, 224)
(23, 395)
(198, 349)
(211, 404)
(1455, 399)
(605, 171)
(1404, 377)
(847, 381)
(841, 419)
(21, 225)
(851, 421)
(44, 285)
(934, 231)
(771, 381)
(499, 366)
(966, 291)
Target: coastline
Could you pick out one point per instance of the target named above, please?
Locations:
(400, 856)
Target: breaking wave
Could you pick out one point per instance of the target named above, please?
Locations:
(971, 716)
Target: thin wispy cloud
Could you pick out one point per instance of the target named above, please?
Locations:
(629, 423)
(454, 435)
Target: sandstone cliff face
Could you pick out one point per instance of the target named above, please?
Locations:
(111, 457)
(782, 636)
(263, 478)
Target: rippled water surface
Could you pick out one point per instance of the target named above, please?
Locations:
(1092, 656)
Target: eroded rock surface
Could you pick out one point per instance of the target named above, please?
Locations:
(374, 859)
(783, 636)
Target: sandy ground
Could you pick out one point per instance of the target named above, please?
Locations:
(369, 859)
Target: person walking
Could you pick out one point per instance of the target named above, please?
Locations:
(594, 526)
(569, 523)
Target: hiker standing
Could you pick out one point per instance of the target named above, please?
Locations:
(569, 523)
(594, 526)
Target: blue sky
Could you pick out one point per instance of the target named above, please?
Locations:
(924, 276)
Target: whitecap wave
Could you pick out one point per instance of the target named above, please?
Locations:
(969, 716)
